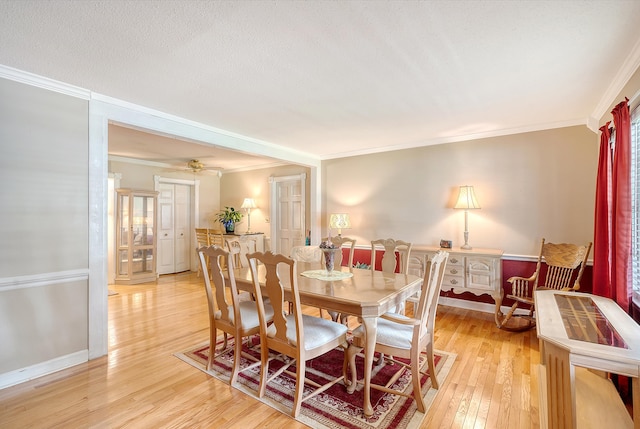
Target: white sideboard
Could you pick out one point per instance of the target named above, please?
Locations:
(478, 271)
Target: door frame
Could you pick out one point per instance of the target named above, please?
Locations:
(104, 109)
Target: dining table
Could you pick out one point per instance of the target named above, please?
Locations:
(364, 293)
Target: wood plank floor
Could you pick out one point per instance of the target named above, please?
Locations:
(140, 384)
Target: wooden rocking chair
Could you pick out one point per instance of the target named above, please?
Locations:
(559, 267)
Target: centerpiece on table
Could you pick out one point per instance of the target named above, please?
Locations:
(229, 217)
(329, 250)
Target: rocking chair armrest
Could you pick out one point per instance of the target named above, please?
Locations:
(399, 318)
(527, 279)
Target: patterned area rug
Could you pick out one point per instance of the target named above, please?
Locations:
(335, 407)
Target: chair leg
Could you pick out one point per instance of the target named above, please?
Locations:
(352, 351)
(236, 361)
(530, 320)
(297, 397)
(432, 367)
(264, 368)
(415, 379)
(212, 348)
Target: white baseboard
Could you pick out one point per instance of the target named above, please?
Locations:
(477, 306)
(21, 375)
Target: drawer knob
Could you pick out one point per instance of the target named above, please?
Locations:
(454, 271)
(453, 281)
(454, 261)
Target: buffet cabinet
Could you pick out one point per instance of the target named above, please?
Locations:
(478, 271)
(135, 236)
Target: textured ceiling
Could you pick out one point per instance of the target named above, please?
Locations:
(337, 78)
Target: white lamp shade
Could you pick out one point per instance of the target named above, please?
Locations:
(339, 221)
(467, 199)
(249, 203)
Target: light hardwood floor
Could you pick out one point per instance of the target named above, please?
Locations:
(140, 384)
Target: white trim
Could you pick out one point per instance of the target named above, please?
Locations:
(483, 307)
(43, 279)
(462, 138)
(143, 118)
(21, 375)
(43, 82)
(98, 330)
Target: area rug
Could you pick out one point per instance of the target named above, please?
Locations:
(334, 408)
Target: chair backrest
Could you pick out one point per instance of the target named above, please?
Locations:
(278, 269)
(202, 237)
(217, 297)
(391, 246)
(216, 237)
(306, 253)
(564, 265)
(339, 241)
(428, 303)
(234, 245)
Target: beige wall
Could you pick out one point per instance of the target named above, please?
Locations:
(533, 185)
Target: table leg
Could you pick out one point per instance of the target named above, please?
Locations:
(635, 392)
(371, 332)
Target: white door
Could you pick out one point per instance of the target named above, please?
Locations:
(173, 228)
(288, 198)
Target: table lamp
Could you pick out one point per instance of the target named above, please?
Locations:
(339, 221)
(248, 204)
(467, 201)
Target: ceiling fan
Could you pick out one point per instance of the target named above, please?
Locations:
(196, 166)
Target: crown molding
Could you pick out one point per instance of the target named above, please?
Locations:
(43, 82)
(629, 67)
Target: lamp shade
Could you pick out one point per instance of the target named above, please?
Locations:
(467, 199)
(249, 203)
(339, 221)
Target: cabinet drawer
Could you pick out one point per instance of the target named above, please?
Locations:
(455, 261)
(457, 281)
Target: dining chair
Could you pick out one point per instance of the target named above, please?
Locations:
(300, 337)
(559, 266)
(391, 263)
(227, 312)
(202, 239)
(404, 337)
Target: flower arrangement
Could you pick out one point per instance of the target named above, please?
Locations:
(228, 217)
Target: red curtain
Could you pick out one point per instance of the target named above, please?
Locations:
(621, 208)
(612, 233)
(602, 231)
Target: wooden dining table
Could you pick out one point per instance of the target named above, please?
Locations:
(366, 294)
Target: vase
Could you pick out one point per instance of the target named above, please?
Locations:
(230, 227)
(329, 258)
